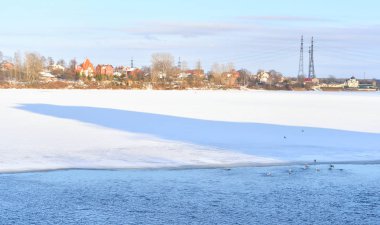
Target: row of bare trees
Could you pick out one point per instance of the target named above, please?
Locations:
(28, 66)
(25, 68)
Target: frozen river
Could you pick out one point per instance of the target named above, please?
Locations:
(106, 129)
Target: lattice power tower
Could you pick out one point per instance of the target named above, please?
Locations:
(311, 60)
(301, 72)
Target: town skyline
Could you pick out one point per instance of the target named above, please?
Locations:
(249, 34)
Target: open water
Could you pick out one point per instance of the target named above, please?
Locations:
(348, 194)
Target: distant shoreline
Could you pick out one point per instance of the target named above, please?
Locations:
(60, 85)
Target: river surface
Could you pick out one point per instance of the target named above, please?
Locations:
(348, 194)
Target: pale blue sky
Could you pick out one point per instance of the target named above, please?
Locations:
(253, 34)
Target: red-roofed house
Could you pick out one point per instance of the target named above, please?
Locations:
(311, 80)
(6, 66)
(86, 68)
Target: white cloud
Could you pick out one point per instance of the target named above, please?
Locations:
(285, 18)
(185, 29)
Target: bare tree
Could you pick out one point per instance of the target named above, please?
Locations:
(146, 72)
(228, 67)
(44, 61)
(17, 68)
(218, 70)
(331, 79)
(73, 64)
(275, 77)
(61, 62)
(162, 66)
(244, 76)
(216, 73)
(50, 61)
(33, 66)
(69, 73)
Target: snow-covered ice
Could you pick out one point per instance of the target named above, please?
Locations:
(59, 129)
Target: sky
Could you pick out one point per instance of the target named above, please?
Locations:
(252, 34)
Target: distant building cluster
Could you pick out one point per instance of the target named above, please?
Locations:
(164, 75)
(351, 84)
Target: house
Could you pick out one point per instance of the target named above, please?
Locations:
(351, 83)
(119, 70)
(199, 73)
(117, 74)
(6, 66)
(195, 73)
(230, 78)
(263, 77)
(161, 75)
(104, 70)
(368, 86)
(126, 70)
(131, 71)
(311, 81)
(86, 68)
(333, 86)
(47, 76)
(184, 74)
(56, 67)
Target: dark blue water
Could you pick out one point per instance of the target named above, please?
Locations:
(198, 196)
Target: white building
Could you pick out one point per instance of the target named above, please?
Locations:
(263, 77)
(47, 76)
(184, 75)
(117, 74)
(351, 83)
(161, 75)
(56, 67)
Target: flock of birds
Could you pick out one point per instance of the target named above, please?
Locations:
(306, 167)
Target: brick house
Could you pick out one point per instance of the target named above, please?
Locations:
(104, 70)
(230, 78)
(86, 68)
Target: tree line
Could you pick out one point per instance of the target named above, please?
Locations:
(162, 73)
(27, 67)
